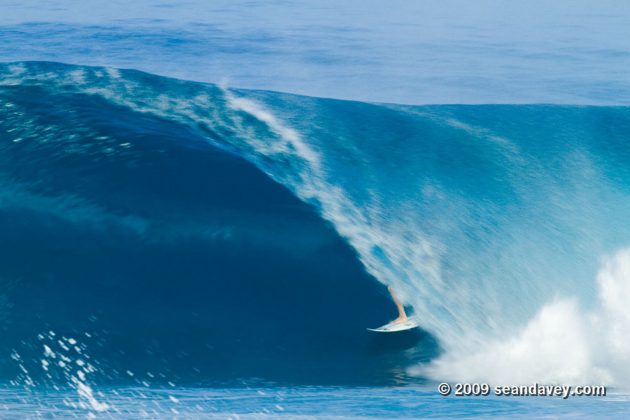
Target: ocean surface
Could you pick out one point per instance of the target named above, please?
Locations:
(412, 52)
(201, 207)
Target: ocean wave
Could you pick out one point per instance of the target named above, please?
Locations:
(478, 216)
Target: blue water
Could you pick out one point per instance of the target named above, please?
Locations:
(214, 245)
(413, 52)
(303, 403)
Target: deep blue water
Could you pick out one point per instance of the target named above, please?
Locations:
(213, 245)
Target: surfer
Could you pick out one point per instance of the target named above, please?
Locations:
(400, 324)
(402, 315)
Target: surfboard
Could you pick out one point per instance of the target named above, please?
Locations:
(391, 327)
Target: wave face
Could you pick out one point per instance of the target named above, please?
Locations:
(247, 227)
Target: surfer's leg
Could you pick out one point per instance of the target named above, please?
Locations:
(402, 315)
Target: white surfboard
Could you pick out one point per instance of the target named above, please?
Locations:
(391, 327)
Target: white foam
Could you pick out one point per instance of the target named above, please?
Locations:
(77, 378)
(290, 137)
(563, 343)
(87, 395)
